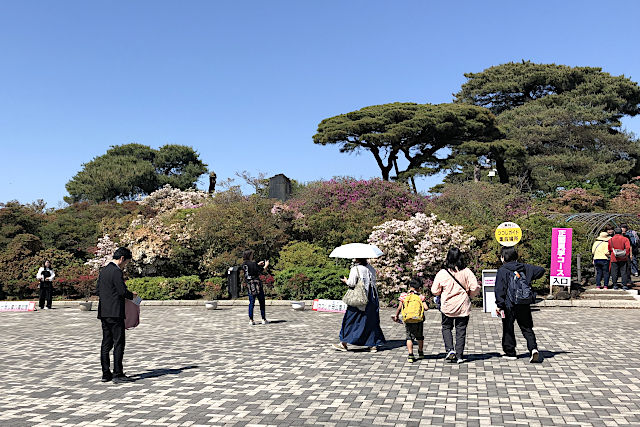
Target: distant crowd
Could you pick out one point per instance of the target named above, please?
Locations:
(615, 253)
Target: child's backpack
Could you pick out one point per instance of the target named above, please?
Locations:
(519, 290)
(412, 309)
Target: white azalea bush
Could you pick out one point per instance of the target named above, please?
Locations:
(168, 199)
(104, 253)
(153, 237)
(416, 247)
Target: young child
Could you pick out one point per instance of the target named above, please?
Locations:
(412, 305)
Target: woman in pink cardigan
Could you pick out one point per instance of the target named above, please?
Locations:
(455, 284)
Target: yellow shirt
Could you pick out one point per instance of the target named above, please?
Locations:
(600, 248)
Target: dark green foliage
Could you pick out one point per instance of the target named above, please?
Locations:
(303, 254)
(17, 219)
(304, 283)
(133, 170)
(567, 119)
(163, 288)
(418, 132)
(77, 227)
(231, 223)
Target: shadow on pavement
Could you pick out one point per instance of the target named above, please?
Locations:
(482, 356)
(155, 373)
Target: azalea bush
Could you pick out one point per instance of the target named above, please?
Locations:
(304, 283)
(154, 237)
(578, 200)
(344, 210)
(215, 288)
(416, 247)
(628, 201)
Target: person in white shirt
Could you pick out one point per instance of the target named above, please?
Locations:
(45, 276)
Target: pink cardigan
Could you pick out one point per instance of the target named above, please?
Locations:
(455, 302)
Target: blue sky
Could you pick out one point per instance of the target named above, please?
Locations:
(247, 82)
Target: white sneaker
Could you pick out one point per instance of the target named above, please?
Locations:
(251, 323)
(451, 355)
(373, 349)
(46, 308)
(535, 356)
(265, 321)
(510, 357)
(459, 361)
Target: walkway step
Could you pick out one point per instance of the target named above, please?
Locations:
(607, 296)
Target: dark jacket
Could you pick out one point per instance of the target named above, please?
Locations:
(531, 272)
(112, 292)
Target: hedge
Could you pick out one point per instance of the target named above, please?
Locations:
(162, 288)
(310, 282)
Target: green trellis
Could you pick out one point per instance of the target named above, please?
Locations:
(598, 221)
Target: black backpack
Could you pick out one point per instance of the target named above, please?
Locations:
(519, 290)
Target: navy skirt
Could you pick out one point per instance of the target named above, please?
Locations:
(363, 327)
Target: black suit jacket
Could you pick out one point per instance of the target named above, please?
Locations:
(112, 292)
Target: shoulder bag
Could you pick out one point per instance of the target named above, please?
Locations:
(357, 297)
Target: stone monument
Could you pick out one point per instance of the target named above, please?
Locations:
(279, 187)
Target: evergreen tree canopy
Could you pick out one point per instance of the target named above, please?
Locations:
(421, 133)
(566, 119)
(133, 170)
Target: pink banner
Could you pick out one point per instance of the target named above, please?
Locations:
(561, 254)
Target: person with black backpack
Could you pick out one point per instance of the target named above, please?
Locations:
(514, 297)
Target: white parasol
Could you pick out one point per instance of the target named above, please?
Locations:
(356, 250)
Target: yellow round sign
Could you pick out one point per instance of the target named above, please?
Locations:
(508, 234)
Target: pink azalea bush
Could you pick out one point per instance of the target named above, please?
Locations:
(350, 193)
(416, 247)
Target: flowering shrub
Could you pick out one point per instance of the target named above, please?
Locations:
(215, 288)
(152, 239)
(413, 248)
(628, 201)
(348, 193)
(76, 281)
(103, 253)
(168, 199)
(578, 200)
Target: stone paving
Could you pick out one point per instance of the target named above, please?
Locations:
(198, 367)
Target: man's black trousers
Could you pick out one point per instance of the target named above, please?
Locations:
(522, 314)
(112, 337)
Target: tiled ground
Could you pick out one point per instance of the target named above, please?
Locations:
(198, 367)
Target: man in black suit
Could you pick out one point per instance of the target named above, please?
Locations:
(112, 292)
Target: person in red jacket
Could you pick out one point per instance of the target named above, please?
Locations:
(620, 249)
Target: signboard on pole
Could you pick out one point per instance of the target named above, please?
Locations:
(561, 239)
(489, 291)
(508, 234)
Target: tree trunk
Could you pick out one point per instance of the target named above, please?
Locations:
(502, 170)
(476, 173)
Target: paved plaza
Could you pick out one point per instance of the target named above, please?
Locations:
(199, 367)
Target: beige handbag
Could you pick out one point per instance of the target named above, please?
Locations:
(357, 297)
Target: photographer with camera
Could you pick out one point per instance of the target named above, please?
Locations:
(45, 276)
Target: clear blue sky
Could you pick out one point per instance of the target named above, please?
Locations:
(246, 82)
